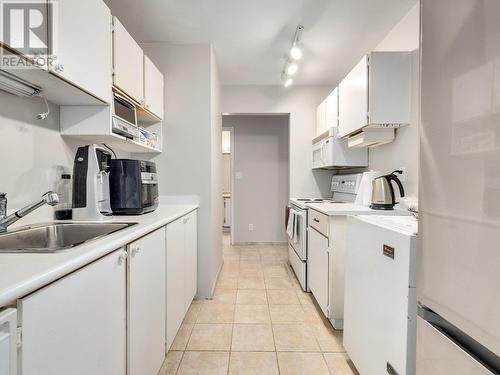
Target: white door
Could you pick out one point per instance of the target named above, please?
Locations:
(153, 88)
(190, 258)
(77, 318)
(83, 45)
(8, 341)
(318, 270)
(128, 63)
(146, 304)
(332, 109)
(353, 99)
(175, 278)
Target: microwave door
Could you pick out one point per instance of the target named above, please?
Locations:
(318, 155)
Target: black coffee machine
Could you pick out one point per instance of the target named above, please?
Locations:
(133, 187)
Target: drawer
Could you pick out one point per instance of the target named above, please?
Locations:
(318, 221)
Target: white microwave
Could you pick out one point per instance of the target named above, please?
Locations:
(124, 119)
(330, 152)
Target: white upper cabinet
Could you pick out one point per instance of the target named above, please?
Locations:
(353, 99)
(128, 63)
(321, 118)
(376, 93)
(332, 109)
(82, 45)
(153, 88)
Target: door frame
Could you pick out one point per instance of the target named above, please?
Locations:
(230, 129)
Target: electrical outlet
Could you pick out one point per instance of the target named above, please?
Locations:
(402, 176)
(250, 227)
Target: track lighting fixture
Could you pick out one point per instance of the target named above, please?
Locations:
(294, 55)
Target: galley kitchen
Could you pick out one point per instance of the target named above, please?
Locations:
(229, 187)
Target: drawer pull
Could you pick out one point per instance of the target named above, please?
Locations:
(316, 220)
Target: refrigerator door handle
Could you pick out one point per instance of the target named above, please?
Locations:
(476, 350)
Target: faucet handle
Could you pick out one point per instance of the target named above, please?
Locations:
(51, 197)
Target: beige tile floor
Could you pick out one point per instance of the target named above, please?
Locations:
(259, 322)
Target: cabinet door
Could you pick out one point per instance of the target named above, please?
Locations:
(321, 118)
(318, 268)
(153, 88)
(83, 46)
(353, 99)
(128, 63)
(190, 258)
(77, 318)
(332, 110)
(175, 278)
(146, 304)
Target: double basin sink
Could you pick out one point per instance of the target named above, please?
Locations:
(54, 237)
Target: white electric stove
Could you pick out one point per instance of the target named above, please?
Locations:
(344, 189)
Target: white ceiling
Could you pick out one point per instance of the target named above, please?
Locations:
(251, 37)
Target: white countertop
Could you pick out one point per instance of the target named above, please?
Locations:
(21, 274)
(333, 209)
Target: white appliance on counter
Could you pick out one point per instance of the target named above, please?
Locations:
(380, 302)
(330, 152)
(327, 244)
(458, 275)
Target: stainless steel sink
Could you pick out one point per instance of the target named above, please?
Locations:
(53, 237)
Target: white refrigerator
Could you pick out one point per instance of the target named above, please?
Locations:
(458, 261)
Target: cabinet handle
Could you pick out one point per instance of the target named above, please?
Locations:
(148, 106)
(186, 219)
(316, 220)
(135, 250)
(122, 257)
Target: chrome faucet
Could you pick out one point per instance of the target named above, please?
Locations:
(51, 198)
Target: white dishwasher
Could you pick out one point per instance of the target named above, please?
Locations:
(380, 302)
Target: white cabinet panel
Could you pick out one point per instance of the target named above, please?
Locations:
(321, 118)
(153, 88)
(332, 109)
(190, 258)
(146, 304)
(175, 278)
(353, 99)
(318, 268)
(128, 63)
(83, 46)
(77, 318)
(8, 341)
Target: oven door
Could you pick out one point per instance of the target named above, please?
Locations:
(300, 243)
(149, 194)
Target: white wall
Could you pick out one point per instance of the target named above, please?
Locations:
(217, 170)
(32, 153)
(403, 152)
(187, 165)
(300, 102)
(261, 154)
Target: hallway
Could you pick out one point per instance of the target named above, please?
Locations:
(259, 322)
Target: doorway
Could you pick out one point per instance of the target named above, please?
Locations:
(258, 170)
(227, 183)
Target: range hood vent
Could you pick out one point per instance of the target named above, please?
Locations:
(371, 137)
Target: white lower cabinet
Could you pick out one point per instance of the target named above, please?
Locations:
(77, 325)
(182, 265)
(146, 304)
(318, 268)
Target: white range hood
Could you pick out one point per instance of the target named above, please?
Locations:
(371, 137)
